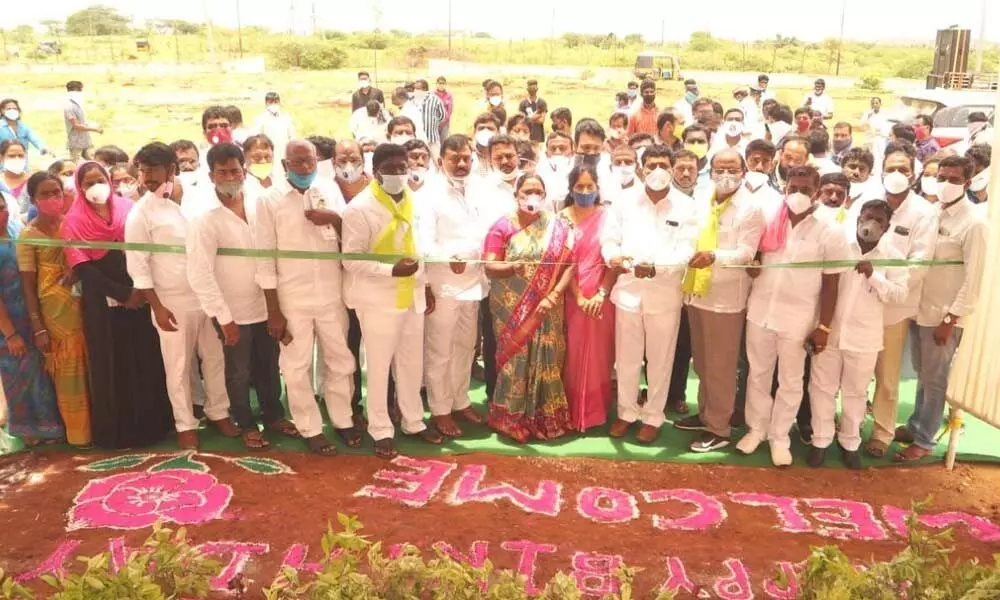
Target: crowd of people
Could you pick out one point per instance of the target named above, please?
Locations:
(560, 262)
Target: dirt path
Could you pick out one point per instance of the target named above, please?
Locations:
(678, 522)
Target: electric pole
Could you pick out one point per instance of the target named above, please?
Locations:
(840, 45)
(449, 29)
(208, 31)
(239, 28)
(981, 44)
(315, 21)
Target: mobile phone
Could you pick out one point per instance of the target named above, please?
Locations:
(810, 347)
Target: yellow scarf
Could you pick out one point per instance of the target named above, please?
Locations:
(696, 281)
(842, 213)
(385, 244)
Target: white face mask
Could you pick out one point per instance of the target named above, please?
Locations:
(727, 184)
(15, 166)
(734, 129)
(624, 173)
(530, 204)
(979, 182)
(560, 163)
(658, 180)
(128, 190)
(616, 133)
(418, 174)
(756, 179)
(778, 129)
(273, 109)
(510, 177)
(798, 202)
(929, 186)
(98, 193)
(496, 100)
(400, 139)
(369, 168)
(949, 192)
(895, 182)
(393, 184)
(483, 137)
(364, 84)
(76, 97)
(68, 183)
(12, 114)
(349, 173)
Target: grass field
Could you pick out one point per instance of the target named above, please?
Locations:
(134, 111)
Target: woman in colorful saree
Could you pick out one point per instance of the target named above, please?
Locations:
(56, 316)
(590, 317)
(30, 396)
(533, 248)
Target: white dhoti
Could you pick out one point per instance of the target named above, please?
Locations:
(772, 418)
(393, 340)
(656, 336)
(195, 336)
(450, 344)
(325, 328)
(849, 372)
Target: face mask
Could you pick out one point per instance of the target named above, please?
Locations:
(302, 182)
(400, 139)
(756, 180)
(98, 193)
(364, 84)
(230, 189)
(51, 207)
(690, 97)
(632, 93)
(15, 166)
(76, 97)
(458, 182)
(624, 173)
(658, 180)
(841, 145)
(929, 186)
(778, 129)
(949, 192)
(921, 133)
(68, 183)
(895, 183)
(496, 100)
(530, 204)
(349, 173)
(510, 177)
(128, 190)
(12, 114)
(165, 189)
(369, 166)
(393, 184)
(589, 160)
(979, 182)
(699, 150)
(273, 109)
(616, 134)
(649, 100)
(727, 184)
(260, 170)
(419, 95)
(678, 131)
(584, 200)
(870, 232)
(560, 163)
(734, 129)
(418, 174)
(483, 137)
(221, 135)
(798, 202)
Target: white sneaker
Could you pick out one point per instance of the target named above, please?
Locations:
(748, 445)
(781, 457)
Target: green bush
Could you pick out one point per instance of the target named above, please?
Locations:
(870, 83)
(309, 55)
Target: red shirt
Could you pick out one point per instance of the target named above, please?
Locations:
(643, 120)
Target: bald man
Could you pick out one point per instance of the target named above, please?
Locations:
(304, 303)
(716, 297)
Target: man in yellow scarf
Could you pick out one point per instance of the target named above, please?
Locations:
(389, 291)
(716, 297)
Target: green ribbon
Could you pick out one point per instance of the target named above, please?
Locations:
(392, 259)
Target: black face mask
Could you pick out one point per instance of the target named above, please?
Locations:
(589, 160)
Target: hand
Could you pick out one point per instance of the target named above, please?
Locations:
(43, 342)
(431, 301)
(135, 300)
(592, 306)
(16, 345)
(865, 268)
(457, 267)
(277, 325)
(702, 259)
(322, 217)
(819, 339)
(68, 279)
(546, 305)
(620, 263)
(230, 333)
(99, 130)
(942, 333)
(645, 271)
(405, 267)
(165, 319)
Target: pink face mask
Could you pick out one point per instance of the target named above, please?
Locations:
(51, 207)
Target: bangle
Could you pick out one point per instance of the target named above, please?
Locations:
(40, 332)
(824, 329)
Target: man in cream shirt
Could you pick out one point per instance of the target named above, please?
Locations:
(454, 229)
(185, 331)
(650, 235)
(304, 295)
(390, 299)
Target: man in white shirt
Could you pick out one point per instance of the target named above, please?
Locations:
(948, 299)
(649, 236)
(369, 121)
(554, 168)
(848, 363)
(858, 164)
(730, 135)
(913, 232)
(406, 107)
(716, 297)
(454, 229)
(623, 175)
(228, 291)
(783, 309)
(390, 299)
(185, 331)
(276, 125)
(819, 148)
(819, 100)
(303, 296)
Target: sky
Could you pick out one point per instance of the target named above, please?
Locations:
(865, 20)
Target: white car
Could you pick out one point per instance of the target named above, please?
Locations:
(950, 110)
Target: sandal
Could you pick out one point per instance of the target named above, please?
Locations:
(446, 425)
(254, 440)
(386, 449)
(350, 437)
(318, 444)
(284, 427)
(429, 435)
(876, 448)
(469, 415)
(912, 453)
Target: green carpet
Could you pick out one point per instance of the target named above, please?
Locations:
(979, 443)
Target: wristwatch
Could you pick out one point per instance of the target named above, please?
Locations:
(824, 329)
(950, 320)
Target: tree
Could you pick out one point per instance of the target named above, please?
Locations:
(23, 34)
(702, 41)
(634, 39)
(182, 27)
(97, 20)
(53, 27)
(832, 47)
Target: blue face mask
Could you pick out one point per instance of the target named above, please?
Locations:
(584, 200)
(302, 182)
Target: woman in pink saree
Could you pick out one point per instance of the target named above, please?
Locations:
(590, 321)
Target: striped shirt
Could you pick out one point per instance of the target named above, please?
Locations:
(433, 114)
